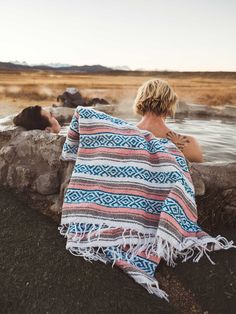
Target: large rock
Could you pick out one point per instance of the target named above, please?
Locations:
(196, 110)
(71, 98)
(215, 184)
(95, 101)
(30, 165)
(229, 111)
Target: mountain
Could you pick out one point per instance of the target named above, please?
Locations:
(121, 68)
(19, 62)
(53, 65)
(18, 66)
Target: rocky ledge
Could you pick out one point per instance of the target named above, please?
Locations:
(195, 110)
(30, 165)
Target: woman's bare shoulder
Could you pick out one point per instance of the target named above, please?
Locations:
(180, 140)
(188, 145)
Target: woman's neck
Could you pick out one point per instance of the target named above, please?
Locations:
(154, 124)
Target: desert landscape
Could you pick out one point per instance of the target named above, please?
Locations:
(19, 89)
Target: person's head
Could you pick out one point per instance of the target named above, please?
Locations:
(35, 117)
(157, 97)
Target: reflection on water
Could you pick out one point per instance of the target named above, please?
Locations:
(216, 136)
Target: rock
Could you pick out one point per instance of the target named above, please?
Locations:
(229, 111)
(47, 183)
(198, 182)
(213, 111)
(6, 120)
(204, 110)
(215, 192)
(95, 101)
(182, 108)
(198, 109)
(71, 98)
(109, 109)
(30, 164)
(220, 175)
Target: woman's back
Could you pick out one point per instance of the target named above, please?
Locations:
(187, 144)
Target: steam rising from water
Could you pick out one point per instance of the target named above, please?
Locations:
(45, 90)
(13, 89)
(2, 89)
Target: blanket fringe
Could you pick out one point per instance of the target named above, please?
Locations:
(152, 245)
(131, 245)
(151, 285)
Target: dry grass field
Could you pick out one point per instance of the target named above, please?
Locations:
(21, 89)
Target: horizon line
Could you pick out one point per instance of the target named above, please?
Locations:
(125, 68)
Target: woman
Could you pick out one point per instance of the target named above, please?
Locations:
(156, 101)
(130, 200)
(35, 117)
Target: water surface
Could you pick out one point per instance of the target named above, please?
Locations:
(216, 136)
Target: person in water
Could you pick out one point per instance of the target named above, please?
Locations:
(155, 101)
(35, 117)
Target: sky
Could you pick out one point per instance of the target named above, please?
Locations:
(184, 35)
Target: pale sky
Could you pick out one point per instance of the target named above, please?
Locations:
(150, 34)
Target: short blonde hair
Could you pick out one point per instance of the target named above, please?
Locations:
(155, 96)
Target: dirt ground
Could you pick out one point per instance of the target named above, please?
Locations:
(38, 275)
(22, 89)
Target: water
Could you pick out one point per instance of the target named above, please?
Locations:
(216, 136)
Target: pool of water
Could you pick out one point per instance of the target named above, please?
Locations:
(216, 136)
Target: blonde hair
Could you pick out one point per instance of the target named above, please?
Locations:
(155, 96)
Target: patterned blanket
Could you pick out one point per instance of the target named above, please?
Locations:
(130, 200)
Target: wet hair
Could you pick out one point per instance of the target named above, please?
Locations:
(31, 118)
(155, 96)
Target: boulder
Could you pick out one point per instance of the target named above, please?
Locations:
(182, 108)
(30, 165)
(229, 111)
(109, 109)
(196, 110)
(71, 98)
(95, 101)
(215, 192)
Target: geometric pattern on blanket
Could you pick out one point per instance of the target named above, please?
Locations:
(130, 200)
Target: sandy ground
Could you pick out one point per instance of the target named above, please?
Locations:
(38, 275)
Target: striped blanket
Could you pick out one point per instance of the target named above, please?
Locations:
(130, 200)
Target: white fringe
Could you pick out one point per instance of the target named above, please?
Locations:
(159, 245)
(150, 284)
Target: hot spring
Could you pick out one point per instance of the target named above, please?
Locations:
(216, 136)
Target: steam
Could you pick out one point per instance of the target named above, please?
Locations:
(45, 91)
(13, 89)
(2, 89)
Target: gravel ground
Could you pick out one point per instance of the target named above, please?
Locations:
(38, 275)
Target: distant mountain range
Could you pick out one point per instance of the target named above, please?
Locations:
(97, 68)
(58, 67)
